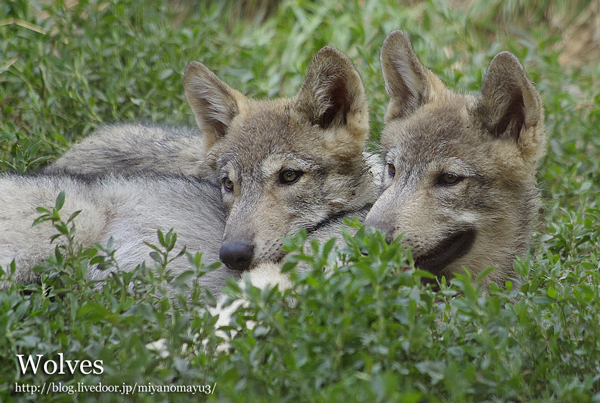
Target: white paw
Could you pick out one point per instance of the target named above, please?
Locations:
(266, 275)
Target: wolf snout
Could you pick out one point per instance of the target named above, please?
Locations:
(237, 255)
(388, 232)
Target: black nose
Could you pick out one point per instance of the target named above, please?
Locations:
(237, 255)
(389, 238)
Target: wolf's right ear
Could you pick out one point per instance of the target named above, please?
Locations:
(407, 81)
(333, 96)
(510, 106)
(213, 102)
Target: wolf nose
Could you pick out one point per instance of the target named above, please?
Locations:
(237, 255)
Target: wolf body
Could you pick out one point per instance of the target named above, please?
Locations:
(134, 150)
(128, 210)
(459, 174)
(280, 166)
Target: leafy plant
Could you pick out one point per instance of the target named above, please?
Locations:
(364, 329)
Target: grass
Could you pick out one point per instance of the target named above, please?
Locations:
(368, 332)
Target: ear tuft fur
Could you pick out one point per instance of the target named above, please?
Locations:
(333, 94)
(408, 82)
(510, 106)
(213, 102)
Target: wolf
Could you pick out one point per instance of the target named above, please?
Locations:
(460, 171)
(278, 166)
(286, 164)
(283, 165)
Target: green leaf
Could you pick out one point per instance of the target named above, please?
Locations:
(165, 74)
(73, 216)
(552, 293)
(435, 369)
(60, 201)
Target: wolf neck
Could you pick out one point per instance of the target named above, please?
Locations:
(338, 219)
(363, 189)
(364, 186)
(369, 187)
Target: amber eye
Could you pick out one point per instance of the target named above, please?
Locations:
(448, 179)
(289, 176)
(227, 184)
(391, 170)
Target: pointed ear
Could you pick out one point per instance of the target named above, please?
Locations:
(333, 95)
(407, 81)
(511, 107)
(213, 102)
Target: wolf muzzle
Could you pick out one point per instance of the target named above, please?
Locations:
(447, 251)
(237, 255)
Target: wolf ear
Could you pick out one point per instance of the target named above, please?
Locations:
(407, 81)
(511, 107)
(333, 95)
(213, 102)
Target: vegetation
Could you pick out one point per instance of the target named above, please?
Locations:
(370, 332)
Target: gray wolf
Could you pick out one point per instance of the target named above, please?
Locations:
(286, 164)
(459, 174)
(283, 165)
(278, 166)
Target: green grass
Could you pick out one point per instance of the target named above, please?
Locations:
(369, 332)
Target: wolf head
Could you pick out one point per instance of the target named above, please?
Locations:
(459, 174)
(284, 164)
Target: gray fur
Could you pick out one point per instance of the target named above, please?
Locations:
(135, 149)
(128, 210)
(493, 142)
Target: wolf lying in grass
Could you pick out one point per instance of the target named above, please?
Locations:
(460, 170)
(281, 166)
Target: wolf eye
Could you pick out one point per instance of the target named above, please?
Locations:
(227, 184)
(289, 176)
(448, 179)
(391, 170)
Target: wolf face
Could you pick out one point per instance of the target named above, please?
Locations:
(459, 174)
(284, 164)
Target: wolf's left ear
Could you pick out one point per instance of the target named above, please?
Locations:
(511, 107)
(333, 95)
(213, 102)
